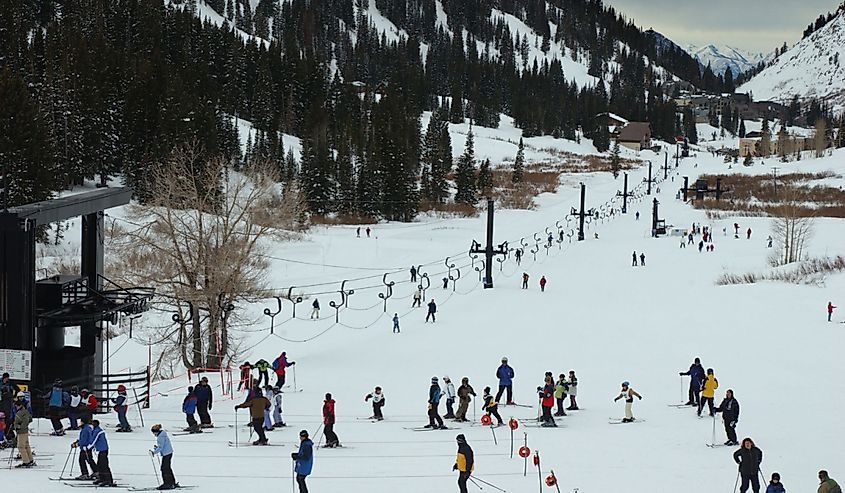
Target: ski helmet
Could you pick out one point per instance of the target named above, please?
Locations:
(461, 438)
(504, 359)
(303, 434)
(434, 379)
(626, 383)
(120, 388)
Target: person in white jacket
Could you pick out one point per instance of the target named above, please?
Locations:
(451, 395)
(278, 422)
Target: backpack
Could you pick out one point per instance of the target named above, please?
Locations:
(276, 364)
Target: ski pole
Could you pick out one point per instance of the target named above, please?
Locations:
(525, 459)
(557, 486)
(62, 474)
(493, 430)
(737, 481)
(138, 403)
(152, 461)
(293, 476)
(682, 388)
(471, 480)
(485, 482)
(294, 378)
(473, 410)
(539, 470)
(72, 461)
(12, 457)
(511, 428)
(713, 437)
(236, 428)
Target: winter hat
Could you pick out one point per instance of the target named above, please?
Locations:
(328, 396)
(710, 371)
(461, 438)
(120, 388)
(446, 378)
(504, 359)
(190, 390)
(303, 434)
(465, 380)
(434, 379)
(626, 383)
(775, 476)
(698, 360)
(487, 389)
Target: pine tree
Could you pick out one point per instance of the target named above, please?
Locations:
(519, 163)
(742, 129)
(765, 139)
(615, 160)
(602, 137)
(485, 179)
(465, 179)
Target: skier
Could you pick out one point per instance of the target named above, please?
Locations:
(280, 366)
(708, 392)
(100, 443)
(413, 274)
(561, 388)
(358, 232)
(315, 309)
(368, 231)
(696, 374)
(730, 414)
(450, 397)
(86, 457)
(638, 215)
(73, 408)
(642, 259)
(395, 323)
(628, 393)
(189, 407)
(749, 458)
(775, 486)
(524, 280)
(204, 398)
(256, 405)
(417, 298)
(689, 239)
(378, 402)
(88, 404)
(560, 236)
(827, 484)
(505, 375)
(268, 423)
(278, 421)
(245, 368)
(21, 427)
(518, 255)
(736, 229)
(634, 259)
(329, 420)
(432, 309)
(263, 366)
(769, 242)
(304, 460)
(700, 246)
(551, 240)
(120, 408)
(164, 448)
(830, 307)
(547, 396)
(58, 399)
(445, 283)
(748, 234)
(573, 391)
(434, 394)
(491, 406)
(464, 463)
(543, 284)
(464, 393)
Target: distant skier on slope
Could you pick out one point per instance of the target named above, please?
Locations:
(547, 401)
(491, 406)
(696, 374)
(417, 298)
(634, 259)
(378, 402)
(561, 389)
(464, 393)
(708, 392)
(573, 391)
(524, 280)
(628, 393)
(434, 394)
(450, 397)
(749, 458)
(280, 366)
(730, 415)
(830, 308)
(543, 284)
(464, 463)
(432, 310)
(329, 419)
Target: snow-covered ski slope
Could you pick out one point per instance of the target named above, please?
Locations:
(610, 322)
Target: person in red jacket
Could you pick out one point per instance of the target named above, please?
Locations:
(547, 401)
(543, 284)
(280, 366)
(328, 422)
(88, 404)
(830, 308)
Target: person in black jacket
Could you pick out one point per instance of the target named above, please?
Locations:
(434, 394)
(464, 463)
(730, 414)
(749, 458)
(696, 374)
(204, 398)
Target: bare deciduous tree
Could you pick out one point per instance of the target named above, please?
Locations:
(199, 241)
(820, 137)
(792, 229)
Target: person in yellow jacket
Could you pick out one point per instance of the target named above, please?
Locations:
(464, 463)
(708, 392)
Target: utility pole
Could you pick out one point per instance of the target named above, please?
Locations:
(489, 251)
(666, 166)
(775, 170)
(649, 180)
(624, 194)
(654, 219)
(582, 213)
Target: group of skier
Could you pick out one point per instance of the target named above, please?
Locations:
(526, 277)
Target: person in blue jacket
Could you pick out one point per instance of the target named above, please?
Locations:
(304, 460)
(165, 449)
(505, 375)
(189, 407)
(86, 456)
(101, 445)
(58, 401)
(120, 407)
(434, 394)
(696, 378)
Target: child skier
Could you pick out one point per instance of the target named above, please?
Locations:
(628, 393)
(775, 486)
(561, 388)
(120, 408)
(378, 402)
(164, 448)
(547, 400)
(450, 397)
(491, 406)
(278, 422)
(189, 407)
(329, 419)
(573, 391)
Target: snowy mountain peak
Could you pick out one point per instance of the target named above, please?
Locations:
(722, 57)
(813, 68)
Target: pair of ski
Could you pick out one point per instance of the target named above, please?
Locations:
(423, 428)
(183, 433)
(127, 487)
(617, 421)
(250, 444)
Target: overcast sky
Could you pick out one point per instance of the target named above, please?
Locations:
(751, 25)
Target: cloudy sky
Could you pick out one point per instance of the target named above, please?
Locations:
(751, 25)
